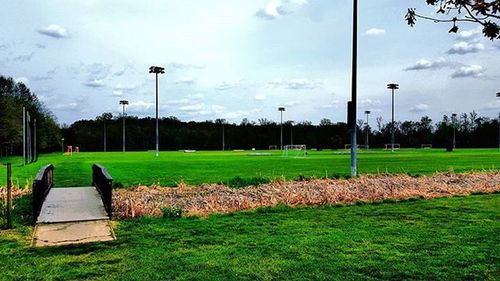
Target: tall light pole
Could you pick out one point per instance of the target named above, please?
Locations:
(392, 87)
(453, 124)
(498, 96)
(352, 104)
(223, 137)
(291, 132)
(104, 135)
(123, 103)
(367, 112)
(62, 145)
(157, 70)
(281, 109)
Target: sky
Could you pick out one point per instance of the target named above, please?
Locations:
(238, 59)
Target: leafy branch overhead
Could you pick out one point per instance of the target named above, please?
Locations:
(483, 12)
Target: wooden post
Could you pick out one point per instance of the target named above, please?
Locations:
(9, 196)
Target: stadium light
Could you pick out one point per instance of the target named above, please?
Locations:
(157, 70)
(281, 109)
(392, 87)
(123, 103)
(367, 112)
(453, 124)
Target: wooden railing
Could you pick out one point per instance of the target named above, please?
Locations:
(104, 183)
(41, 185)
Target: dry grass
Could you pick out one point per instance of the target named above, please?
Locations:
(206, 199)
(16, 192)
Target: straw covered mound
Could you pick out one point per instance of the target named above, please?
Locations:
(215, 198)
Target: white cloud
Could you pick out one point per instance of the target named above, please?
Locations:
(474, 71)
(375, 31)
(260, 97)
(139, 107)
(192, 107)
(54, 31)
(369, 102)
(463, 48)
(468, 35)
(277, 8)
(120, 90)
(225, 85)
(186, 81)
(296, 84)
(423, 64)
(94, 83)
(419, 108)
(23, 80)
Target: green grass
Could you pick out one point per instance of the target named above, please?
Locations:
(443, 239)
(133, 168)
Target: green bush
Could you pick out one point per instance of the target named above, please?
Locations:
(171, 213)
(244, 182)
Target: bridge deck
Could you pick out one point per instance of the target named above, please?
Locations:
(71, 204)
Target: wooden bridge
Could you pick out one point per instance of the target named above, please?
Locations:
(71, 215)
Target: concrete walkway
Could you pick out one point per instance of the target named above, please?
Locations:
(72, 215)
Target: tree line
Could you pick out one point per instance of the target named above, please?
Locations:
(470, 129)
(13, 97)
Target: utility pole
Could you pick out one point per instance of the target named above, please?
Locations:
(453, 124)
(62, 145)
(123, 103)
(291, 132)
(392, 87)
(24, 135)
(498, 96)
(157, 70)
(34, 140)
(223, 137)
(367, 112)
(281, 109)
(354, 81)
(104, 120)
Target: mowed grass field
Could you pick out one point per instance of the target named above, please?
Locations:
(443, 239)
(173, 167)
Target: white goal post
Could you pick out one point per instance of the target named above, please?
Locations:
(296, 150)
(426, 146)
(388, 146)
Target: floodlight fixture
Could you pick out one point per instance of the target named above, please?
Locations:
(123, 103)
(392, 87)
(157, 70)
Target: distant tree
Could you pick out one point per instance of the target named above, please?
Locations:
(325, 122)
(379, 123)
(486, 13)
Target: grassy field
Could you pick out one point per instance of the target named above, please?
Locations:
(443, 239)
(133, 168)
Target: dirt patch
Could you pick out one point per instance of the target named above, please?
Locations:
(213, 198)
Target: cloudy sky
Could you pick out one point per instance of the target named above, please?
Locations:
(239, 59)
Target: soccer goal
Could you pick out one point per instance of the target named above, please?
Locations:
(426, 146)
(295, 150)
(273, 147)
(388, 146)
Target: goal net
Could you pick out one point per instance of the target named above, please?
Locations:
(273, 147)
(295, 150)
(426, 146)
(388, 146)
